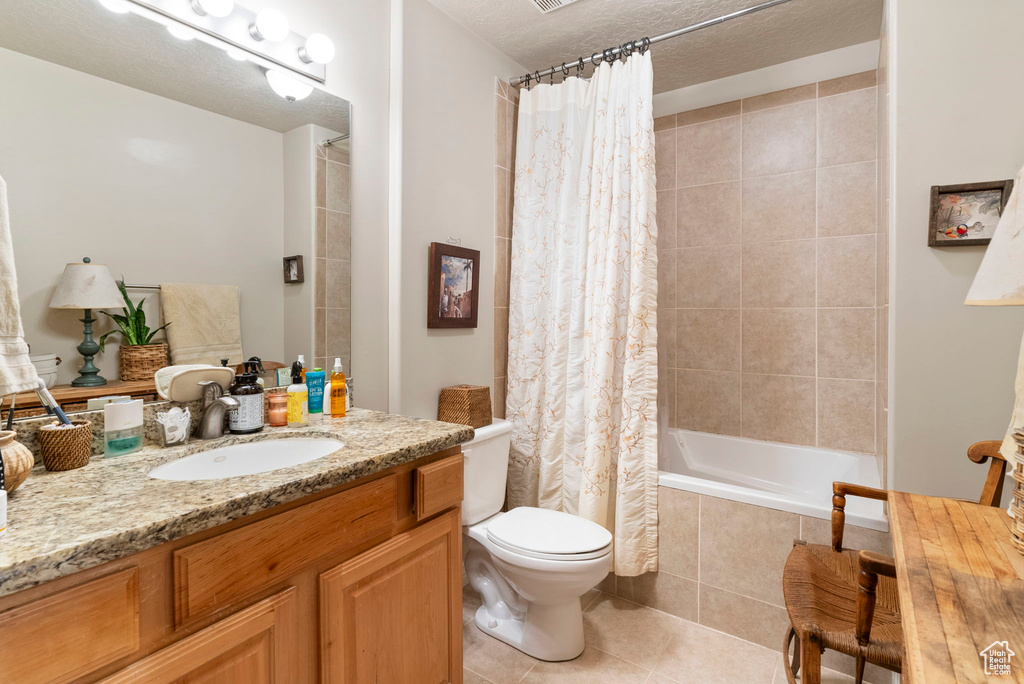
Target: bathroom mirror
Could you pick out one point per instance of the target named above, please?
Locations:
(169, 161)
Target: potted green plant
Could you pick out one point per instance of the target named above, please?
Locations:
(140, 357)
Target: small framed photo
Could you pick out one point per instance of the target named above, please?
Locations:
(293, 269)
(453, 286)
(966, 214)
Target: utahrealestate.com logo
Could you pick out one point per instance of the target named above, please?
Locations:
(997, 658)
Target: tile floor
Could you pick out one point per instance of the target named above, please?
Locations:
(628, 643)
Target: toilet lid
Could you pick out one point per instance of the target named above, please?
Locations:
(540, 531)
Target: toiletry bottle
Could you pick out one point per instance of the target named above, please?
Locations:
(122, 427)
(339, 393)
(315, 385)
(258, 362)
(302, 366)
(248, 417)
(298, 399)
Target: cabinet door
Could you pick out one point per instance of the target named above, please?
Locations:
(254, 646)
(393, 615)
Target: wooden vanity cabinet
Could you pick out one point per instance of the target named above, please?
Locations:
(361, 583)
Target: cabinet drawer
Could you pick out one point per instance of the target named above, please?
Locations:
(73, 632)
(438, 486)
(217, 571)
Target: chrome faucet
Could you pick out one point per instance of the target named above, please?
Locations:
(215, 405)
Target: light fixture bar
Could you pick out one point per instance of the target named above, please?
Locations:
(234, 30)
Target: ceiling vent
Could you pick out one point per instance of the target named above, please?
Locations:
(546, 6)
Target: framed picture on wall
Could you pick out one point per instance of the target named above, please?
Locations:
(293, 269)
(966, 214)
(453, 286)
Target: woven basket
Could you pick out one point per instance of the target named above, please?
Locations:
(466, 405)
(1017, 502)
(66, 448)
(141, 361)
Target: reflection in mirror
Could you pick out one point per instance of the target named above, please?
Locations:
(171, 163)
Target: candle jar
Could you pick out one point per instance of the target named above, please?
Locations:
(277, 412)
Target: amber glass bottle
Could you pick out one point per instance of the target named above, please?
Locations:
(338, 390)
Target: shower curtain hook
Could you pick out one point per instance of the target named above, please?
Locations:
(579, 68)
(551, 76)
(609, 55)
(526, 81)
(565, 71)
(536, 76)
(645, 44)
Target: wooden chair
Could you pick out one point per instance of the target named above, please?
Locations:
(847, 600)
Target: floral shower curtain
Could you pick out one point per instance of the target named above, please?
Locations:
(582, 366)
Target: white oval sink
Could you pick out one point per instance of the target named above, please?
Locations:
(246, 459)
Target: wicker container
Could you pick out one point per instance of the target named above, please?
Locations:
(18, 460)
(1017, 502)
(465, 404)
(141, 361)
(66, 448)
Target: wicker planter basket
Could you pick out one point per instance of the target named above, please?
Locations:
(141, 361)
(466, 405)
(66, 448)
(1017, 502)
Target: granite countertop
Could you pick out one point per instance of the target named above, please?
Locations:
(63, 522)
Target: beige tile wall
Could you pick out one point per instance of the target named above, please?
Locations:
(767, 265)
(506, 108)
(721, 565)
(332, 334)
(882, 270)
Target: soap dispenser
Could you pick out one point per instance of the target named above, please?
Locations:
(248, 417)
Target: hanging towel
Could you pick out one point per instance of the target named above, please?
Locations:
(205, 324)
(17, 374)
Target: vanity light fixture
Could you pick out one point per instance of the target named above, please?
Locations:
(236, 54)
(287, 87)
(270, 25)
(213, 8)
(318, 48)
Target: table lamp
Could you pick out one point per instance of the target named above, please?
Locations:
(87, 286)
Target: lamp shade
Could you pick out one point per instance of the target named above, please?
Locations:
(1000, 279)
(86, 286)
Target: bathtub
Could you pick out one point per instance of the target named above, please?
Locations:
(780, 476)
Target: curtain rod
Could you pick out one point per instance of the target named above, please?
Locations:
(331, 141)
(612, 53)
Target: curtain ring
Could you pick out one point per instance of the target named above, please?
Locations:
(536, 76)
(565, 71)
(609, 55)
(579, 67)
(526, 81)
(551, 76)
(645, 44)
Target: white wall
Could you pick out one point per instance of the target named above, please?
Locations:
(957, 109)
(448, 152)
(359, 73)
(298, 238)
(157, 190)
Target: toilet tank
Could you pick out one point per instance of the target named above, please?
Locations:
(485, 471)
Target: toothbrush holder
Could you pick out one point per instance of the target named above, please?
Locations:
(66, 448)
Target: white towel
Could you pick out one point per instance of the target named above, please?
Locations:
(204, 323)
(17, 374)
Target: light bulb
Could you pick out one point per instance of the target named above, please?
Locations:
(180, 32)
(318, 48)
(287, 87)
(116, 6)
(270, 25)
(214, 8)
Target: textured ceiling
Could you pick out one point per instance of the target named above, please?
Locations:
(779, 34)
(140, 53)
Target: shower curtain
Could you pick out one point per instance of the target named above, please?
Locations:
(582, 365)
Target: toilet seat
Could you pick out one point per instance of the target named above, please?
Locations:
(549, 535)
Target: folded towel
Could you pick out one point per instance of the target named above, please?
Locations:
(181, 383)
(17, 374)
(205, 324)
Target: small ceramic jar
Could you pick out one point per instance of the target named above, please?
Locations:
(18, 460)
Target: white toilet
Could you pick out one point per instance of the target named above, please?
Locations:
(529, 565)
